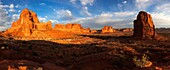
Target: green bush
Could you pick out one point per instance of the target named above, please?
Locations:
(141, 62)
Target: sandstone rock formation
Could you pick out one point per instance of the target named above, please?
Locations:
(108, 29)
(93, 31)
(71, 28)
(144, 26)
(127, 29)
(27, 24)
(43, 26)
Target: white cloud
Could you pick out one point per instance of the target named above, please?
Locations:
(85, 11)
(15, 17)
(143, 4)
(85, 8)
(3, 6)
(64, 14)
(5, 20)
(54, 21)
(11, 8)
(106, 15)
(142, 0)
(7, 15)
(164, 8)
(19, 11)
(2, 28)
(45, 19)
(111, 19)
(124, 14)
(86, 2)
(42, 4)
(124, 2)
(161, 20)
(161, 16)
(42, 19)
(17, 6)
(73, 1)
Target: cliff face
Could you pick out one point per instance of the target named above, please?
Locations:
(43, 26)
(27, 24)
(71, 28)
(144, 26)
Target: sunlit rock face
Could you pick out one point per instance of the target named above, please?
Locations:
(108, 29)
(27, 24)
(144, 26)
(72, 28)
(43, 26)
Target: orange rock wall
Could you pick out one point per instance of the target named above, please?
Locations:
(144, 26)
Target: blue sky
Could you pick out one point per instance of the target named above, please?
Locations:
(90, 13)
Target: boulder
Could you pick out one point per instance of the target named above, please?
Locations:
(144, 26)
(108, 29)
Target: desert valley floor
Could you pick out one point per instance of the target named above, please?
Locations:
(113, 51)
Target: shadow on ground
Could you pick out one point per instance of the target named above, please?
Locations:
(114, 54)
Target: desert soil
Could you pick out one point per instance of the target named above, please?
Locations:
(112, 51)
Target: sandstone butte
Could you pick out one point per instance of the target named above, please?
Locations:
(28, 25)
(71, 28)
(144, 26)
(108, 29)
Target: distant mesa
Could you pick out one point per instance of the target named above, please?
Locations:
(94, 31)
(108, 29)
(126, 29)
(71, 28)
(144, 26)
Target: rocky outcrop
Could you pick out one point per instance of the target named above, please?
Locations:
(93, 31)
(68, 27)
(127, 29)
(72, 28)
(24, 25)
(144, 26)
(43, 26)
(27, 24)
(108, 29)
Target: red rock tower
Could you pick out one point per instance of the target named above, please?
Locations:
(27, 24)
(144, 26)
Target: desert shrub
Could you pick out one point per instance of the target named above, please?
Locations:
(141, 62)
